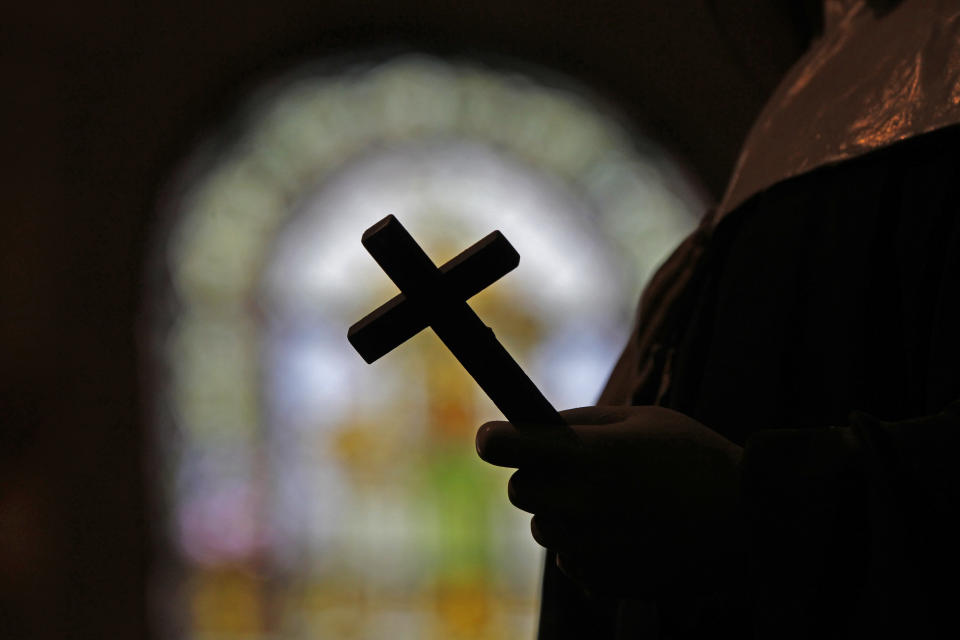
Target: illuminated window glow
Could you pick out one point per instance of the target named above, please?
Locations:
(310, 495)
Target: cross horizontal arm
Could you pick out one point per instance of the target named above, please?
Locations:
(457, 326)
(397, 320)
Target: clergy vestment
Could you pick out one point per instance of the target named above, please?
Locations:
(814, 318)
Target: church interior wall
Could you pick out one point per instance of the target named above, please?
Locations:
(100, 101)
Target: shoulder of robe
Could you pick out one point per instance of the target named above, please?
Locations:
(871, 80)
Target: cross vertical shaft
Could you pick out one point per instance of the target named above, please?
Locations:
(455, 323)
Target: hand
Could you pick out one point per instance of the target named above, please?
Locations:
(640, 501)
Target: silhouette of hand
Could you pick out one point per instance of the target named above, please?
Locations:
(640, 501)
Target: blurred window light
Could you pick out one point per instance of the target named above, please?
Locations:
(306, 494)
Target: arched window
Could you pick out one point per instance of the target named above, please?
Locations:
(306, 493)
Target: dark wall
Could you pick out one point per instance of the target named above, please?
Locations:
(99, 101)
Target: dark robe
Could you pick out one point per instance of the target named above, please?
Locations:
(817, 325)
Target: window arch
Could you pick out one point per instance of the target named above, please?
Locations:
(308, 494)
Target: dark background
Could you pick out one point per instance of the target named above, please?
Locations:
(99, 102)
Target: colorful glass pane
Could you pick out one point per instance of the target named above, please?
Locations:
(309, 494)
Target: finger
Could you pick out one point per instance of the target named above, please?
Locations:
(594, 535)
(502, 444)
(563, 533)
(555, 533)
(553, 490)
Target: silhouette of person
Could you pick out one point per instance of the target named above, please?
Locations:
(774, 453)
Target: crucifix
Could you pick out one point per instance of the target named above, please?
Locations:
(437, 297)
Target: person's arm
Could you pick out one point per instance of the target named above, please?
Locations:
(854, 523)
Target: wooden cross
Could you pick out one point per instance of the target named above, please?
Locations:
(438, 298)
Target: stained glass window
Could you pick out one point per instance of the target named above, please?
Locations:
(307, 494)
